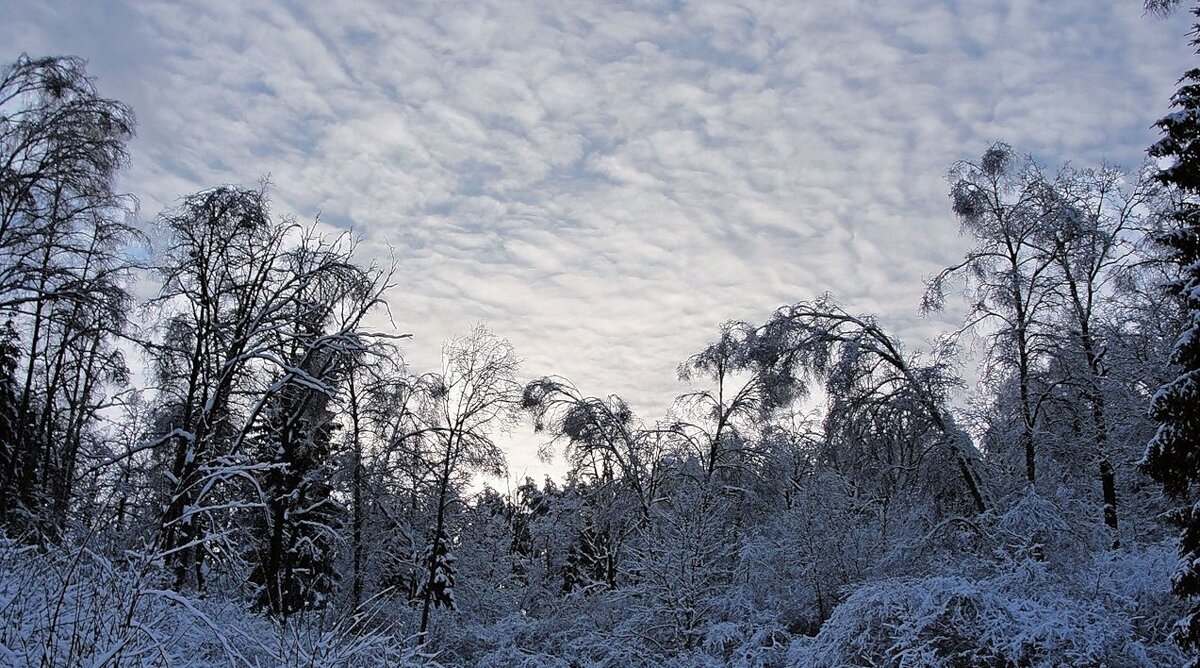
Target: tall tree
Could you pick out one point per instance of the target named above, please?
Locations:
(220, 302)
(1008, 277)
(861, 362)
(391, 482)
(1172, 456)
(1090, 221)
(475, 395)
(616, 470)
(607, 447)
(238, 297)
(724, 416)
(63, 227)
(319, 346)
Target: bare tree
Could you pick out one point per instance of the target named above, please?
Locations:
(293, 432)
(392, 477)
(475, 395)
(820, 339)
(720, 433)
(1091, 228)
(63, 229)
(605, 443)
(1008, 275)
(238, 286)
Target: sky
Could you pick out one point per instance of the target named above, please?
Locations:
(604, 183)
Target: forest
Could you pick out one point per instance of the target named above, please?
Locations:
(241, 469)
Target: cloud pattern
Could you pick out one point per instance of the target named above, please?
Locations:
(604, 182)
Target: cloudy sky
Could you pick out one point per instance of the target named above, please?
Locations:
(604, 182)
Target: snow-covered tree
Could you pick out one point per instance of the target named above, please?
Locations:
(716, 425)
(1007, 276)
(1173, 456)
(294, 565)
(607, 447)
(240, 291)
(475, 395)
(64, 229)
(862, 367)
(1091, 229)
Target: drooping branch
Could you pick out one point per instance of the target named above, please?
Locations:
(819, 339)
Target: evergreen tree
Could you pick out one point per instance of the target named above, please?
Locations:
(303, 522)
(295, 569)
(10, 432)
(1173, 456)
(438, 588)
(591, 563)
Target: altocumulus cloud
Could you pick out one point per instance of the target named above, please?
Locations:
(603, 183)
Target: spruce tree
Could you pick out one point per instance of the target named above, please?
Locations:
(294, 557)
(294, 569)
(1173, 455)
(440, 563)
(10, 428)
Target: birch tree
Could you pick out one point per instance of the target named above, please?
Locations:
(1007, 275)
(821, 340)
(63, 271)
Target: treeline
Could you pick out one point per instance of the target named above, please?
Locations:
(243, 470)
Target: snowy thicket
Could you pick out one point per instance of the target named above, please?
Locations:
(77, 608)
(279, 488)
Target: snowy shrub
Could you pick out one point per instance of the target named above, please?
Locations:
(512, 656)
(1038, 528)
(1025, 616)
(77, 608)
(1136, 581)
(722, 637)
(799, 565)
(1032, 586)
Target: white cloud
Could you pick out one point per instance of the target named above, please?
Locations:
(605, 182)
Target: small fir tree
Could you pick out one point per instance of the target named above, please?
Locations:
(440, 562)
